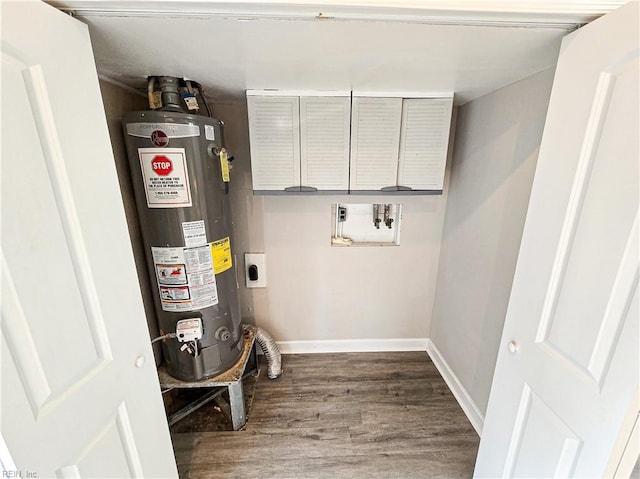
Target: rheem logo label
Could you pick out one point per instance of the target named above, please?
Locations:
(162, 165)
(159, 138)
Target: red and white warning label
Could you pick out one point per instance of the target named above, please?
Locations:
(171, 274)
(166, 179)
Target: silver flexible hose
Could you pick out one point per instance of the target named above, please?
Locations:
(270, 350)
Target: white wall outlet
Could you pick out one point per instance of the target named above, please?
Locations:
(255, 270)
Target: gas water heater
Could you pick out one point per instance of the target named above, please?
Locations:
(180, 175)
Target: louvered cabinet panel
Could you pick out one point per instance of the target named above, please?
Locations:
(375, 137)
(274, 133)
(424, 141)
(324, 142)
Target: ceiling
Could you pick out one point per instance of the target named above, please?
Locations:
(469, 48)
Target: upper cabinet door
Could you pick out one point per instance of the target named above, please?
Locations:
(375, 137)
(274, 133)
(424, 141)
(324, 142)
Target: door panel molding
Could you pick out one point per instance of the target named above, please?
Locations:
(617, 310)
(595, 125)
(121, 425)
(15, 329)
(622, 293)
(27, 359)
(531, 403)
(524, 407)
(128, 440)
(45, 124)
(592, 367)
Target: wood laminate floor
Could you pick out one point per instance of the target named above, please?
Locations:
(339, 416)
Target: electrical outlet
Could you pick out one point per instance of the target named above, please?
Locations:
(255, 270)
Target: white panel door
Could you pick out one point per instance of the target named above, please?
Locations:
(274, 134)
(375, 136)
(80, 394)
(324, 142)
(424, 141)
(566, 379)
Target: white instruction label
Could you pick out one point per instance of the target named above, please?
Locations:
(165, 175)
(171, 294)
(210, 132)
(194, 233)
(186, 280)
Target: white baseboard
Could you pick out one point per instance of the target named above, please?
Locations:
(352, 345)
(468, 405)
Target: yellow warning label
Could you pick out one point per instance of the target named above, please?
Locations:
(221, 253)
(224, 165)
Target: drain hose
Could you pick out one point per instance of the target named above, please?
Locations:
(270, 350)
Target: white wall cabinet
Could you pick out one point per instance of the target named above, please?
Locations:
(299, 142)
(324, 142)
(424, 142)
(375, 136)
(399, 144)
(330, 142)
(274, 135)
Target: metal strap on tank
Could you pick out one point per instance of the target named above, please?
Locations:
(172, 130)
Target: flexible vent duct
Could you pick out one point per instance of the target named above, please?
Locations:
(270, 350)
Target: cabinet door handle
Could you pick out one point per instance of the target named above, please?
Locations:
(301, 189)
(396, 188)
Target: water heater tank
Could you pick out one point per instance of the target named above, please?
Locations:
(180, 177)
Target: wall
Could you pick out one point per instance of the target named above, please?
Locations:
(117, 101)
(346, 296)
(323, 298)
(492, 171)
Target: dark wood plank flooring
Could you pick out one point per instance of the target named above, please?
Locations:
(339, 416)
